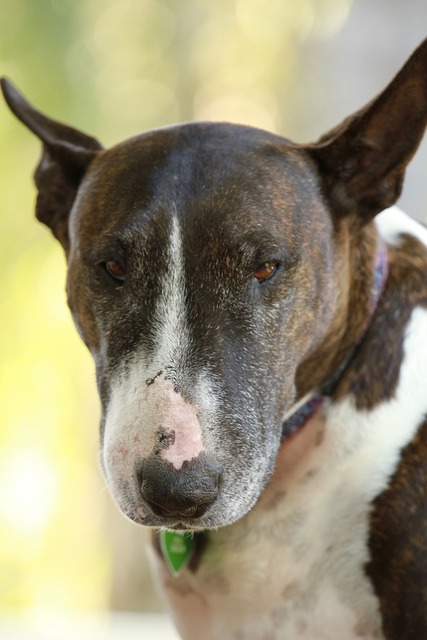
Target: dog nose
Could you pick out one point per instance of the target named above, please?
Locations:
(186, 493)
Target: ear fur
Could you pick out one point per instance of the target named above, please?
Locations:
(66, 156)
(362, 162)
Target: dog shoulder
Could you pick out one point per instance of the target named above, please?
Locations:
(398, 532)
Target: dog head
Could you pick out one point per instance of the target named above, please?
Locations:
(211, 267)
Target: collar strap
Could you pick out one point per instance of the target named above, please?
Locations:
(297, 420)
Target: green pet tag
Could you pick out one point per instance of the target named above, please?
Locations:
(177, 549)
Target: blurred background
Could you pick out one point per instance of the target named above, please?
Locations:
(113, 68)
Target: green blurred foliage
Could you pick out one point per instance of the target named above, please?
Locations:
(111, 68)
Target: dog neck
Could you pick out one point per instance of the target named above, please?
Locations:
(312, 402)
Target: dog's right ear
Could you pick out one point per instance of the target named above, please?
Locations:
(66, 156)
(362, 162)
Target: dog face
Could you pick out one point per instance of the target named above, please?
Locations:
(217, 273)
(201, 272)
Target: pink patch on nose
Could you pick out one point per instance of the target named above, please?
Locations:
(181, 418)
(178, 417)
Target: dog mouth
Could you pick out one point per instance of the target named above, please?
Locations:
(196, 521)
(171, 523)
(181, 518)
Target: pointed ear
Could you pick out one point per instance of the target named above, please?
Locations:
(66, 156)
(362, 162)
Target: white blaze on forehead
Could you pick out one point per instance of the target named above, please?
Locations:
(170, 314)
(172, 346)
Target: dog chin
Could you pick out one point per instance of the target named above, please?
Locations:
(217, 517)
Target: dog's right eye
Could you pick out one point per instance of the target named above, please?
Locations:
(266, 270)
(115, 270)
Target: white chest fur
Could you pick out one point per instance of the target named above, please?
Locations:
(294, 566)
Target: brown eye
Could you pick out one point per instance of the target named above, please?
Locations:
(115, 270)
(265, 270)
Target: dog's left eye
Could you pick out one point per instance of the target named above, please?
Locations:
(266, 270)
(116, 270)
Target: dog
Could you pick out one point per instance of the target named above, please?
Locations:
(258, 323)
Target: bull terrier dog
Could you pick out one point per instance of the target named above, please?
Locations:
(260, 340)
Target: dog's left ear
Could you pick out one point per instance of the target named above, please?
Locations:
(362, 162)
(66, 156)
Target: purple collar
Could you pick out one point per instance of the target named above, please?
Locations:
(298, 419)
